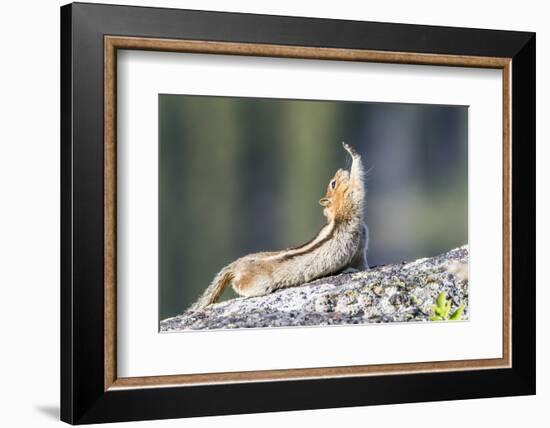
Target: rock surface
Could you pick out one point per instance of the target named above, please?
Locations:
(393, 293)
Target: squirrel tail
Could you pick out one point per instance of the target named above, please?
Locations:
(215, 289)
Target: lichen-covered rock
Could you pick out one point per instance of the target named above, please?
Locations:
(394, 293)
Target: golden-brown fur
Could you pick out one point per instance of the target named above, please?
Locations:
(340, 244)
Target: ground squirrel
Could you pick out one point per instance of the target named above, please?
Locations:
(342, 243)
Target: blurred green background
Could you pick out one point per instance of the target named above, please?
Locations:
(241, 175)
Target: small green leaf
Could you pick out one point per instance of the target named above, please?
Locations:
(440, 301)
(458, 313)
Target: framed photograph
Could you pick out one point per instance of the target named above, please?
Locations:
(276, 213)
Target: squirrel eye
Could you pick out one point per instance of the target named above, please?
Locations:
(333, 184)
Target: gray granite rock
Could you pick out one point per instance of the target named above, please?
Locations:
(402, 292)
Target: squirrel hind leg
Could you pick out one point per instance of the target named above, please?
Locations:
(252, 280)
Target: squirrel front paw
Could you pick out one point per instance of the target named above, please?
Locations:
(350, 150)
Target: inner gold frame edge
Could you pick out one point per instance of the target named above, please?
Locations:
(113, 43)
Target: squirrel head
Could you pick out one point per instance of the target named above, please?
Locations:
(336, 199)
(345, 190)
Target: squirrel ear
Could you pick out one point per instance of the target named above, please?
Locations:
(324, 201)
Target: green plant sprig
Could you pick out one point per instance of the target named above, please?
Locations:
(442, 309)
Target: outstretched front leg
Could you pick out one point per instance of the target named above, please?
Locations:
(357, 177)
(357, 173)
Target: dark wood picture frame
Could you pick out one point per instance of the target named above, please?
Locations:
(90, 36)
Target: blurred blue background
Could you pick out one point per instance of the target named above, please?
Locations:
(241, 175)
